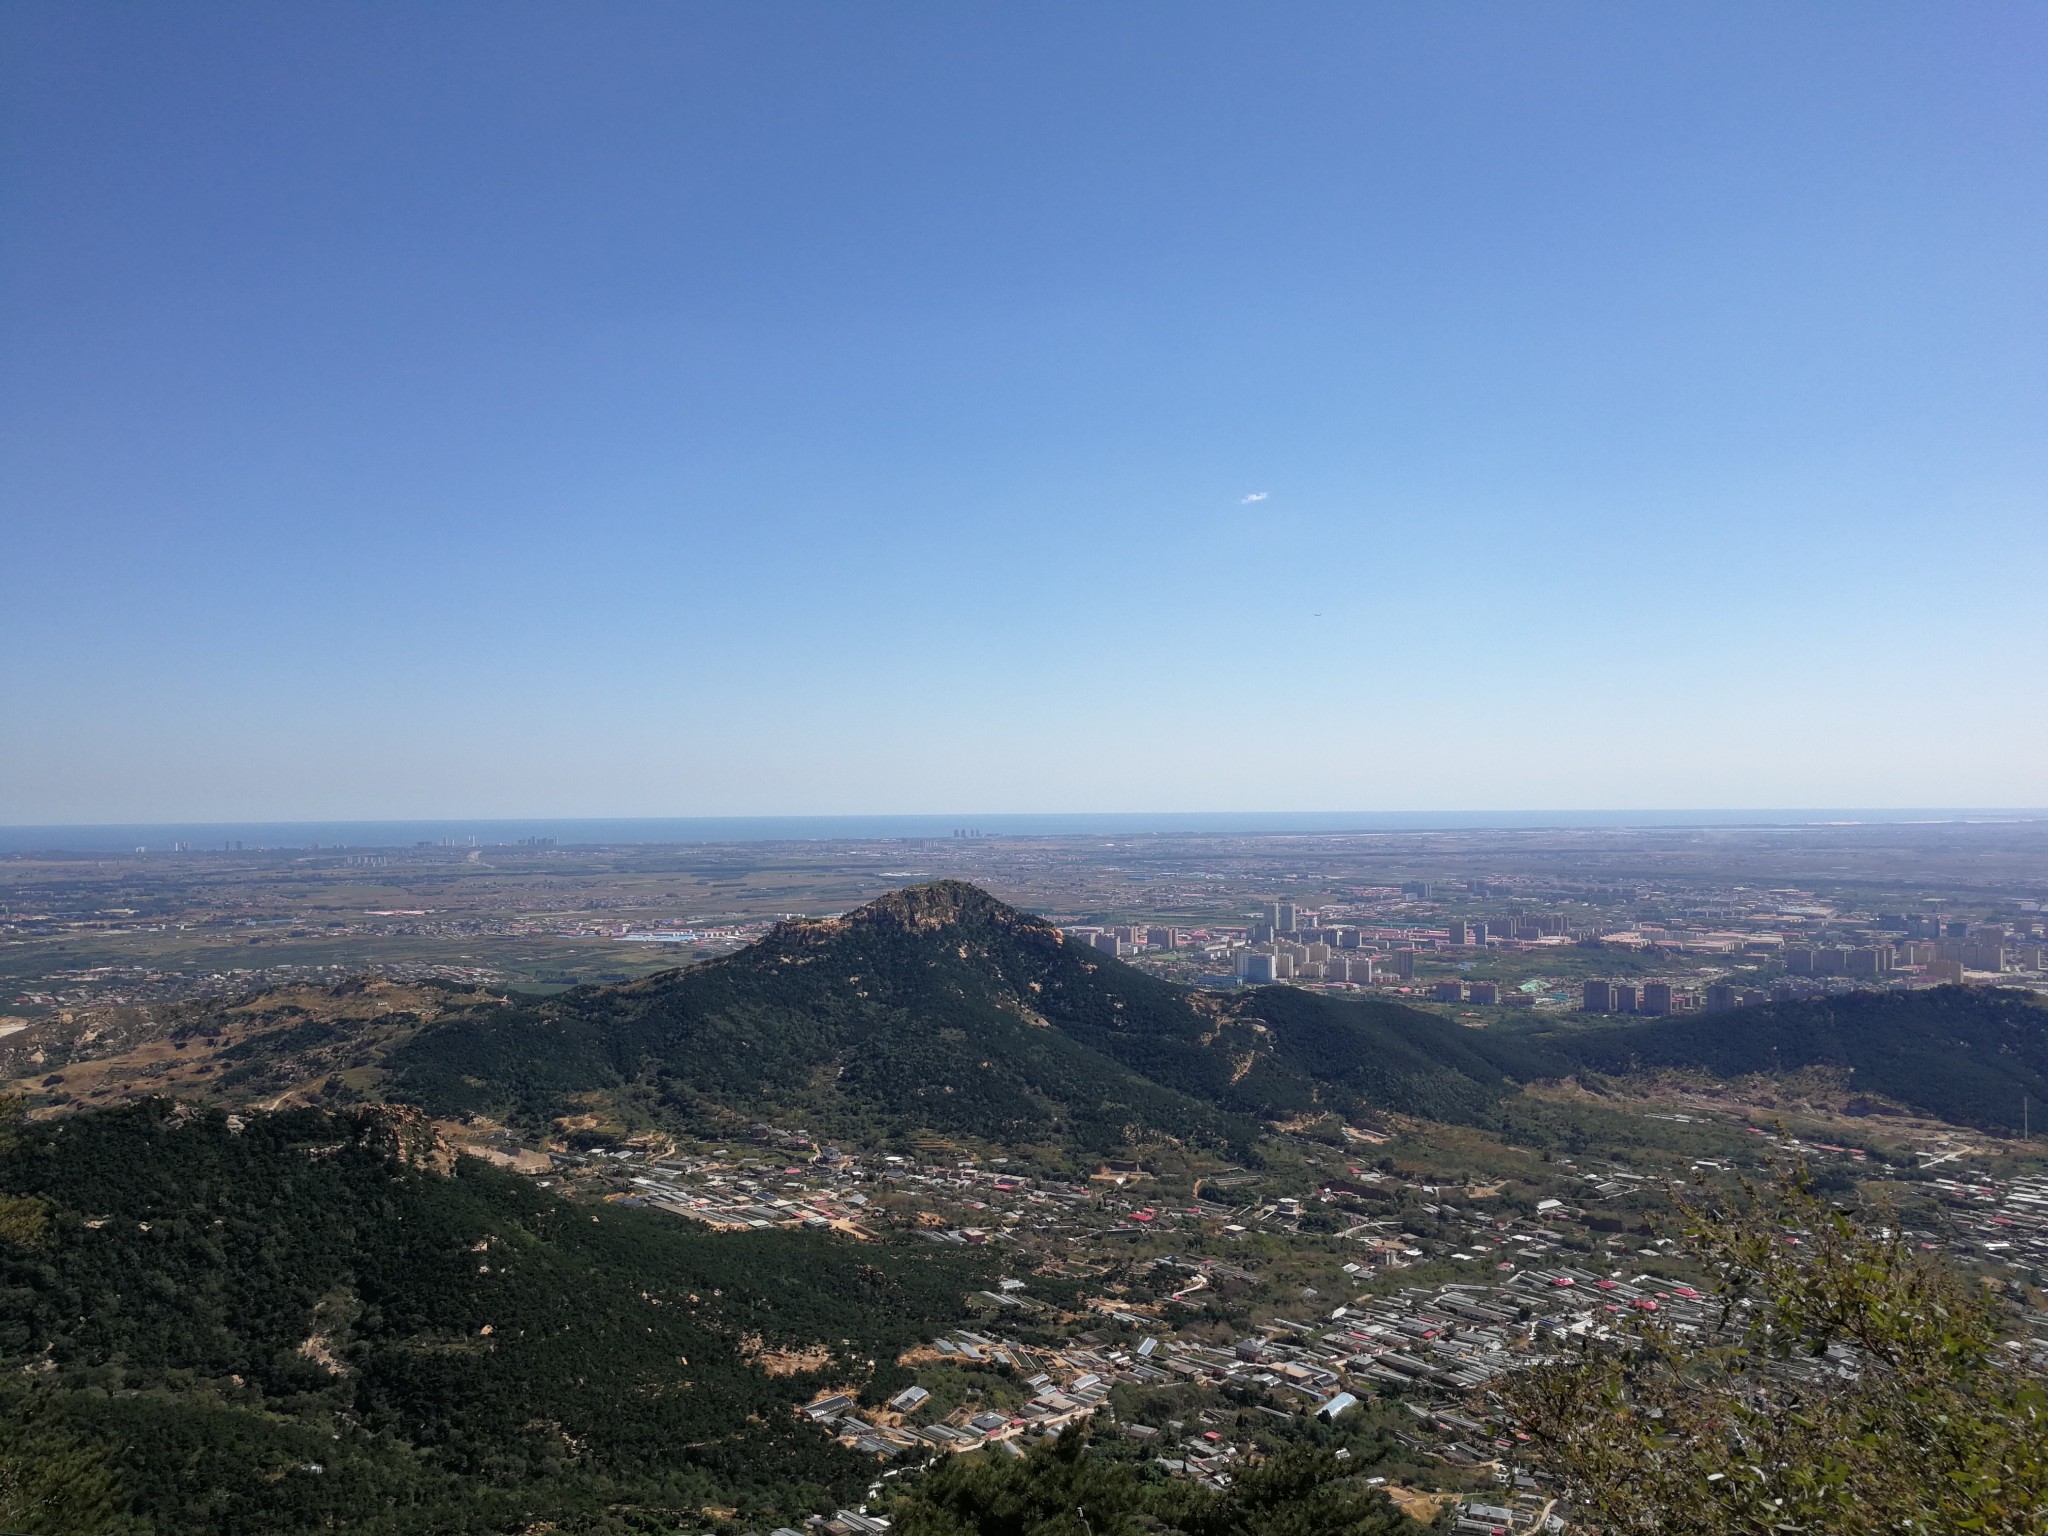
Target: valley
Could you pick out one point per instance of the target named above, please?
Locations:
(1202, 1229)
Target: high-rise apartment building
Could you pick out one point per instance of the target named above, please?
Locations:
(1448, 992)
(1487, 992)
(1599, 997)
(1720, 997)
(1657, 997)
(1281, 915)
(1404, 964)
(1624, 997)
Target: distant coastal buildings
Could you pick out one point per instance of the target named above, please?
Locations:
(1735, 951)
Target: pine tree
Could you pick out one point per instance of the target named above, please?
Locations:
(1858, 1383)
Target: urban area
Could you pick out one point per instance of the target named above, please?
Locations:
(1204, 1317)
(1370, 1286)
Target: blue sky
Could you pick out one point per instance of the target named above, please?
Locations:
(685, 409)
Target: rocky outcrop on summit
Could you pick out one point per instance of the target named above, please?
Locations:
(947, 904)
(944, 906)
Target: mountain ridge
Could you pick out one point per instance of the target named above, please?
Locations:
(285, 1323)
(937, 1012)
(1965, 1054)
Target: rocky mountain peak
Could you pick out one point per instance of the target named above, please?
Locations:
(940, 905)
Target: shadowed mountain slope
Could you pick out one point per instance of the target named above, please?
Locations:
(287, 1323)
(938, 1013)
(1963, 1054)
(939, 1008)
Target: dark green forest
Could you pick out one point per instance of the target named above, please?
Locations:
(939, 1008)
(283, 1325)
(939, 1011)
(1072, 1487)
(1962, 1054)
(287, 1329)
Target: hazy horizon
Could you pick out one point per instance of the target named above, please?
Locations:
(202, 837)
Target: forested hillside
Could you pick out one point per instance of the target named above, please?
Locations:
(939, 1012)
(939, 1008)
(1963, 1054)
(1302, 1492)
(285, 1323)
(288, 1329)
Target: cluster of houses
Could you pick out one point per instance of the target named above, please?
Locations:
(729, 1201)
(1067, 1385)
(1450, 1342)
(2001, 1224)
(1542, 1279)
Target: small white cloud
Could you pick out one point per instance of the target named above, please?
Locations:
(1255, 496)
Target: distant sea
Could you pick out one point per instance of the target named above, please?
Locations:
(588, 832)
